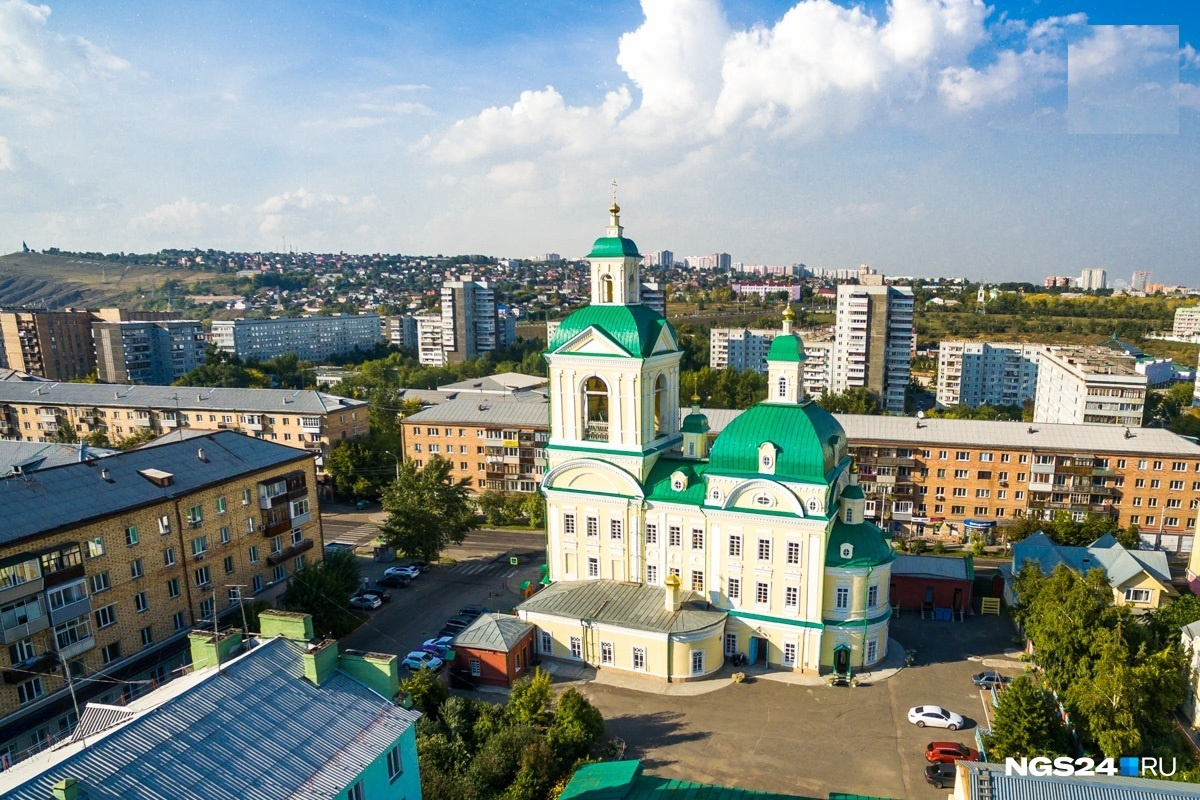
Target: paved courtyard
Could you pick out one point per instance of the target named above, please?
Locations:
(812, 740)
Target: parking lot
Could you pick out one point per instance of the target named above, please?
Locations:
(813, 740)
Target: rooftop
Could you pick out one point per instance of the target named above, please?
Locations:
(1118, 562)
(187, 398)
(69, 495)
(1097, 787)
(624, 780)
(257, 728)
(31, 456)
(925, 566)
(529, 411)
(497, 632)
(501, 382)
(629, 605)
(1093, 360)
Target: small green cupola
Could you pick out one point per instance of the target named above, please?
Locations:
(785, 364)
(853, 500)
(615, 262)
(695, 431)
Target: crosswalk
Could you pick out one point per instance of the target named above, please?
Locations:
(481, 568)
(358, 535)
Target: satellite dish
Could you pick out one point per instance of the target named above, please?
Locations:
(920, 415)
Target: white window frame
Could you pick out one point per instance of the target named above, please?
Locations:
(606, 653)
(639, 658)
(576, 648)
(546, 642)
(697, 662)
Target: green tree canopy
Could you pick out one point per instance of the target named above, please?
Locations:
(323, 589)
(426, 507)
(1026, 723)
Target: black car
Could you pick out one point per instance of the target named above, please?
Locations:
(423, 566)
(473, 612)
(989, 680)
(458, 623)
(940, 775)
(395, 581)
(378, 590)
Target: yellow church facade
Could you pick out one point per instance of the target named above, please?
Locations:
(666, 558)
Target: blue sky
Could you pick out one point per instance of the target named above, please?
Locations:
(923, 137)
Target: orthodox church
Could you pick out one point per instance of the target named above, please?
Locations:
(666, 557)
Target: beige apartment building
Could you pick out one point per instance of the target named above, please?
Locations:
(48, 344)
(499, 443)
(105, 565)
(312, 421)
(1085, 384)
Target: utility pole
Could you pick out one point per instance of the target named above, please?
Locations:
(241, 605)
(216, 632)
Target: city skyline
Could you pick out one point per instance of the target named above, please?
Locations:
(920, 137)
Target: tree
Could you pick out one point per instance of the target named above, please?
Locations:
(426, 508)
(577, 726)
(134, 439)
(427, 690)
(66, 434)
(852, 401)
(1163, 623)
(1026, 724)
(494, 506)
(535, 509)
(323, 589)
(529, 699)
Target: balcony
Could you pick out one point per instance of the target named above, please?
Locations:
(168, 420)
(301, 519)
(77, 648)
(10, 635)
(276, 528)
(20, 672)
(595, 432)
(311, 424)
(252, 423)
(290, 552)
(20, 590)
(141, 421)
(70, 611)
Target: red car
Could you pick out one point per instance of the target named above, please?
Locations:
(949, 752)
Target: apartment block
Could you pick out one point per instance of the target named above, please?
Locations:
(48, 344)
(428, 343)
(1089, 385)
(400, 331)
(654, 295)
(986, 373)
(310, 338)
(148, 352)
(496, 443)
(469, 319)
(818, 366)
(740, 348)
(107, 564)
(874, 341)
(1091, 280)
(280, 715)
(1187, 322)
(308, 420)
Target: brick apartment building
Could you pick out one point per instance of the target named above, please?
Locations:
(105, 565)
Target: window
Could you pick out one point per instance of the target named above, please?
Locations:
(872, 651)
(356, 792)
(249, 526)
(593, 527)
(764, 549)
(793, 552)
(169, 557)
(228, 564)
(245, 497)
(652, 574)
(651, 533)
(547, 644)
(576, 647)
(606, 652)
(71, 632)
(29, 691)
(675, 536)
(111, 652)
(225, 534)
(135, 568)
(961, 474)
(593, 567)
(221, 507)
(735, 546)
(61, 596)
(697, 539)
(106, 616)
(207, 606)
(173, 587)
(279, 573)
(614, 530)
(568, 524)
(697, 662)
(872, 596)
(203, 576)
(697, 580)
(100, 582)
(395, 764)
(791, 597)
(762, 593)
(95, 547)
(141, 602)
(842, 598)
(476, 669)
(789, 654)
(734, 588)
(21, 650)
(195, 516)
(639, 658)
(147, 636)
(258, 584)
(178, 621)
(199, 546)
(131, 535)
(1137, 595)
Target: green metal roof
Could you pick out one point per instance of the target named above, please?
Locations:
(638, 606)
(635, 329)
(624, 780)
(787, 347)
(614, 247)
(869, 541)
(694, 423)
(854, 492)
(658, 482)
(810, 441)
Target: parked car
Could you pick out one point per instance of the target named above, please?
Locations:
(395, 581)
(408, 572)
(934, 717)
(365, 601)
(362, 505)
(989, 680)
(473, 612)
(438, 646)
(337, 547)
(940, 775)
(949, 752)
(457, 624)
(377, 590)
(419, 659)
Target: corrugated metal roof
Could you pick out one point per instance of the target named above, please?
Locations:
(256, 730)
(185, 398)
(631, 605)
(74, 493)
(1117, 562)
(1018, 787)
(624, 780)
(98, 717)
(950, 567)
(479, 410)
(497, 632)
(32, 456)
(500, 382)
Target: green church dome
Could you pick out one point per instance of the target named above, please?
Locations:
(787, 347)
(809, 441)
(694, 423)
(634, 328)
(868, 546)
(614, 247)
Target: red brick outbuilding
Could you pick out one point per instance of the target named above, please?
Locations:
(495, 649)
(923, 582)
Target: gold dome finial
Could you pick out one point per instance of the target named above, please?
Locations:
(788, 313)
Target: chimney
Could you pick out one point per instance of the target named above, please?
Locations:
(66, 789)
(208, 648)
(104, 475)
(200, 454)
(671, 595)
(288, 624)
(380, 671)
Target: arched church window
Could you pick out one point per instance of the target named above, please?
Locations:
(782, 386)
(660, 405)
(595, 410)
(606, 289)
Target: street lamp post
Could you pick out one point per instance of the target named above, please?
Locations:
(393, 455)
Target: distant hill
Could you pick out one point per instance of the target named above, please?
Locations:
(38, 279)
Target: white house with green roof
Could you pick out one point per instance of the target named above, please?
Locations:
(766, 529)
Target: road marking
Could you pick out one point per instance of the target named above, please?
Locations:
(510, 573)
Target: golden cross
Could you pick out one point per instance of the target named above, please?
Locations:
(614, 185)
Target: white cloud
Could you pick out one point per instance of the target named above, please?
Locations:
(6, 155)
(306, 214)
(1115, 49)
(182, 215)
(1189, 96)
(514, 174)
(397, 109)
(42, 71)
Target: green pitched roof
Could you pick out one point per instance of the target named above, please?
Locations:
(614, 247)
(810, 441)
(854, 492)
(634, 328)
(658, 482)
(694, 423)
(787, 347)
(868, 539)
(624, 780)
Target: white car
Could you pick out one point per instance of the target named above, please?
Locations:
(419, 658)
(408, 572)
(367, 601)
(934, 717)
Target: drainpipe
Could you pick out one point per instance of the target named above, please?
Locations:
(866, 613)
